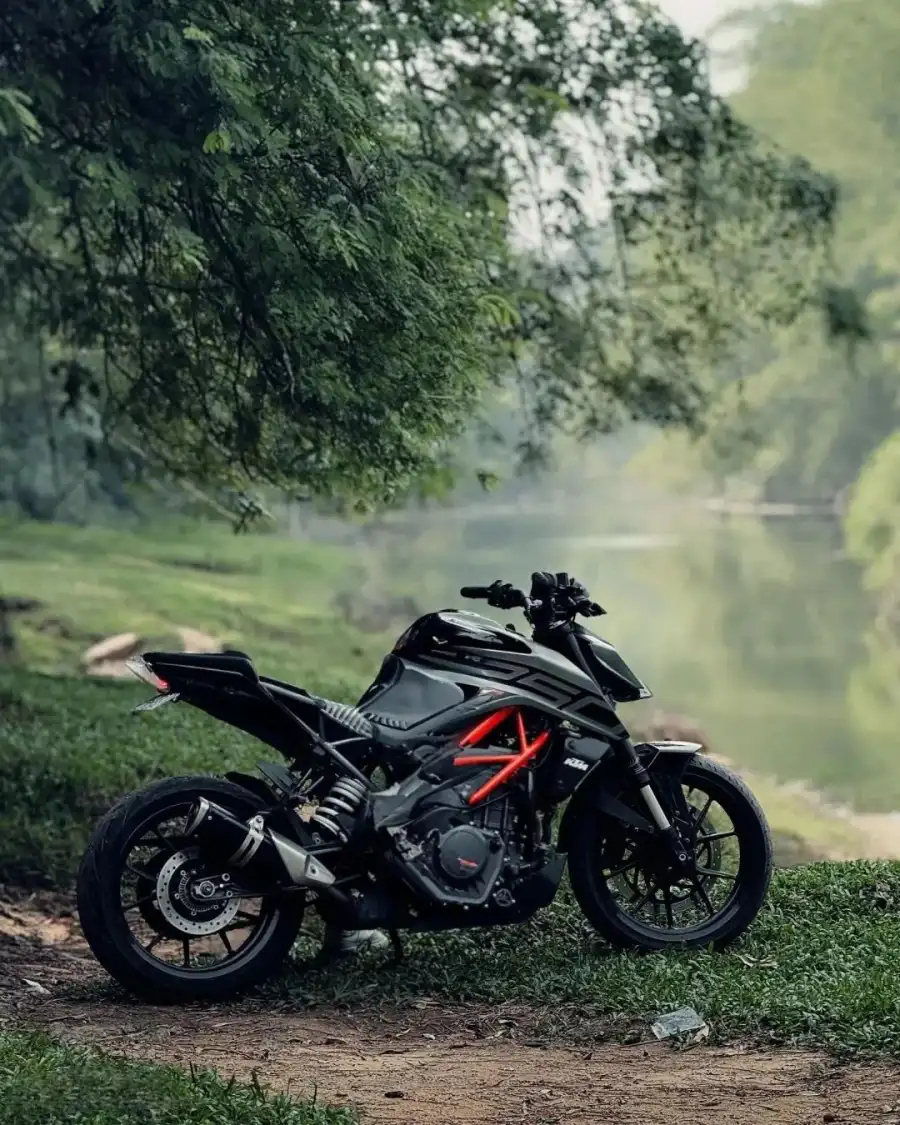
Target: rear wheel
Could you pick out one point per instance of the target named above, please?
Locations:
(157, 920)
(625, 885)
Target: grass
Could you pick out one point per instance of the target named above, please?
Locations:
(69, 746)
(45, 1083)
(819, 967)
(267, 595)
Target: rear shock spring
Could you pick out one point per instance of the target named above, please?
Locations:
(338, 811)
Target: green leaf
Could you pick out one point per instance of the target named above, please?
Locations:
(198, 35)
(500, 308)
(18, 113)
(219, 140)
(356, 266)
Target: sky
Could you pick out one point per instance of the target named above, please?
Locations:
(695, 16)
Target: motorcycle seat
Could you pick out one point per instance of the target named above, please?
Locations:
(233, 661)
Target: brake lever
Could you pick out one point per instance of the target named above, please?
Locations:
(587, 608)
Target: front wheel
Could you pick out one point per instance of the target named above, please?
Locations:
(624, 882)
(144, 921)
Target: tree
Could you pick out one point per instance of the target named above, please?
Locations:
(283, 243)
(797, 418)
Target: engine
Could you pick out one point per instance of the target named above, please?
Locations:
(458, 856)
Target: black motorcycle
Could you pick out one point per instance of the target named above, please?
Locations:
(430, 805)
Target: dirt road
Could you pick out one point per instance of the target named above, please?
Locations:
(425, 1065)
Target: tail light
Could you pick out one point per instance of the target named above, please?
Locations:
(140, 668)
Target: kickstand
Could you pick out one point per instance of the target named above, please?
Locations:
(397, 946)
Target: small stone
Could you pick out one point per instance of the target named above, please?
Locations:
(119, 647)
(193, 640)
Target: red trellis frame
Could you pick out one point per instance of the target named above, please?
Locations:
(511, 762)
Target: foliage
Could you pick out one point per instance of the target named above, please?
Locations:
(217, 205)
(45, 1083)
(797, 418)
(290, 243)
(873, 531)
(54, 461)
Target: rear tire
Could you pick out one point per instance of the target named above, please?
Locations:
(600, 907)
(106, 928)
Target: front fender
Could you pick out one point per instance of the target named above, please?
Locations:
(597, 792)
(668, 756)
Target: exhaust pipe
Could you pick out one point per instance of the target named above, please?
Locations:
(252, 847)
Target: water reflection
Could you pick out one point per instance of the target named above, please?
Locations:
(759, 631)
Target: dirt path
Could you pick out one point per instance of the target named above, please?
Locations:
(424, 1065)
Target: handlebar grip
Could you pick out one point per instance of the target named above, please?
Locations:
(474, 592)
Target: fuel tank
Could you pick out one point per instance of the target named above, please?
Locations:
(460, 637)
(449, 667)
(453, 628)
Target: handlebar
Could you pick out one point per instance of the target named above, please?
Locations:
(474, 592)
(558, 602)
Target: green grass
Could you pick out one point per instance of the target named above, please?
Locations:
(44, 1083)
(819, 967)
(262, 593)
(69, 748)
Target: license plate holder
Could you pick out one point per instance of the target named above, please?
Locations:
(157, 701)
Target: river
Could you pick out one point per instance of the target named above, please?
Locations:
(759, 631)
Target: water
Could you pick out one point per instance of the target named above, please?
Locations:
(758, 631)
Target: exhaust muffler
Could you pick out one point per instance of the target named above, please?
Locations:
(252, 847)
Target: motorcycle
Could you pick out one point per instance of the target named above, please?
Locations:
(479, 764)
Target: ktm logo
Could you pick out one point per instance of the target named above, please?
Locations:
(576, 763)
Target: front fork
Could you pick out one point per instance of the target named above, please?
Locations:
(640, 778)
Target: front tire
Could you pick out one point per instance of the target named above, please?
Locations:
(601, 849)
(105, 917)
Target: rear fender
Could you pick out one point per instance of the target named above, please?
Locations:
(666, 763)
(254, 785)
(252, 713)
(227, 687)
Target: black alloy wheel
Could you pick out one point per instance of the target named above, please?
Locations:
(630, 890)
(161, 921)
